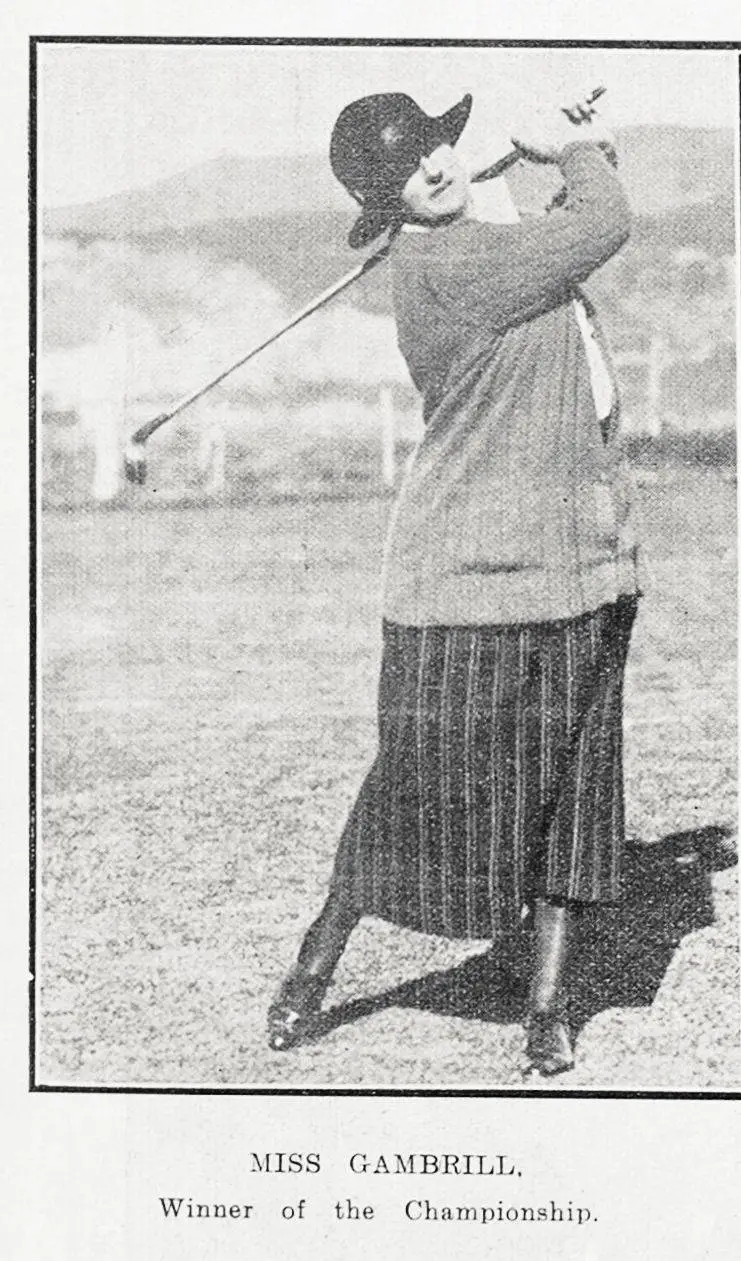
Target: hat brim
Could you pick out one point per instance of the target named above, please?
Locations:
(455, 119)
(375, 219)
(371, 223)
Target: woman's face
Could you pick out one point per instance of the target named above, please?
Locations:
(439, 189)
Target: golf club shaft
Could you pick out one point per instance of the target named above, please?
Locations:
(488, 173)
(151, 426)
(362, 269)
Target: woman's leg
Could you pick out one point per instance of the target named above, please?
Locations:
(549, 1048)
(327, 937)
(300, 997)
(582, 698)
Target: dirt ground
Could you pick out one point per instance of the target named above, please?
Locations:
(207, 716)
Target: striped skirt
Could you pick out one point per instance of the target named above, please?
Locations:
(498, 776)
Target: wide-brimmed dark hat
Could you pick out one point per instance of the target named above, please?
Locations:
(377, 143)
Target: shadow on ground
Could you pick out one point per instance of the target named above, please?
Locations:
(622, 952)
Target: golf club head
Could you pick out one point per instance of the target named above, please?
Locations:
(135, 465)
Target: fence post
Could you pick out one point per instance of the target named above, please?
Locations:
(211, 448)
(388, 443)
(102, 401)
(217, 477)
(104, 419)
(653, 385)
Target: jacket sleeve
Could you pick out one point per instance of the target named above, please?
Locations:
(504, 274)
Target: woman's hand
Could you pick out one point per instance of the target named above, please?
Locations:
(549, 135)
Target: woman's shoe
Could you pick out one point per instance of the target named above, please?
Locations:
(549, 1050)
(295, 1008)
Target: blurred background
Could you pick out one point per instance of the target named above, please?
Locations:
(188, 208)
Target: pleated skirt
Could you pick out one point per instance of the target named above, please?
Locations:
(498, 776)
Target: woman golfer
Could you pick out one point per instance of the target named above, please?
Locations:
(496, 796)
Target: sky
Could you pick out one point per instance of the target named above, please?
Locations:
(113, 117)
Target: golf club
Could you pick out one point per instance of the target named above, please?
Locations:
(134, 461)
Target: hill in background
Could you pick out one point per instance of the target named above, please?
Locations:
(201, 265)
(288, 218)
(661, 167)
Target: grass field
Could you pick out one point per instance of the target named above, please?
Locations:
(207, 715)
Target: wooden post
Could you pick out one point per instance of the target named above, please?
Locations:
(388, 443)
(104, 419)
(102, 395)
(211, 448)
(654, 368)
(217, 474)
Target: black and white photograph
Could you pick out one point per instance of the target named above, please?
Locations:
(386, 583)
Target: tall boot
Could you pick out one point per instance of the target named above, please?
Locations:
(549, 1049)
(299, 999)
